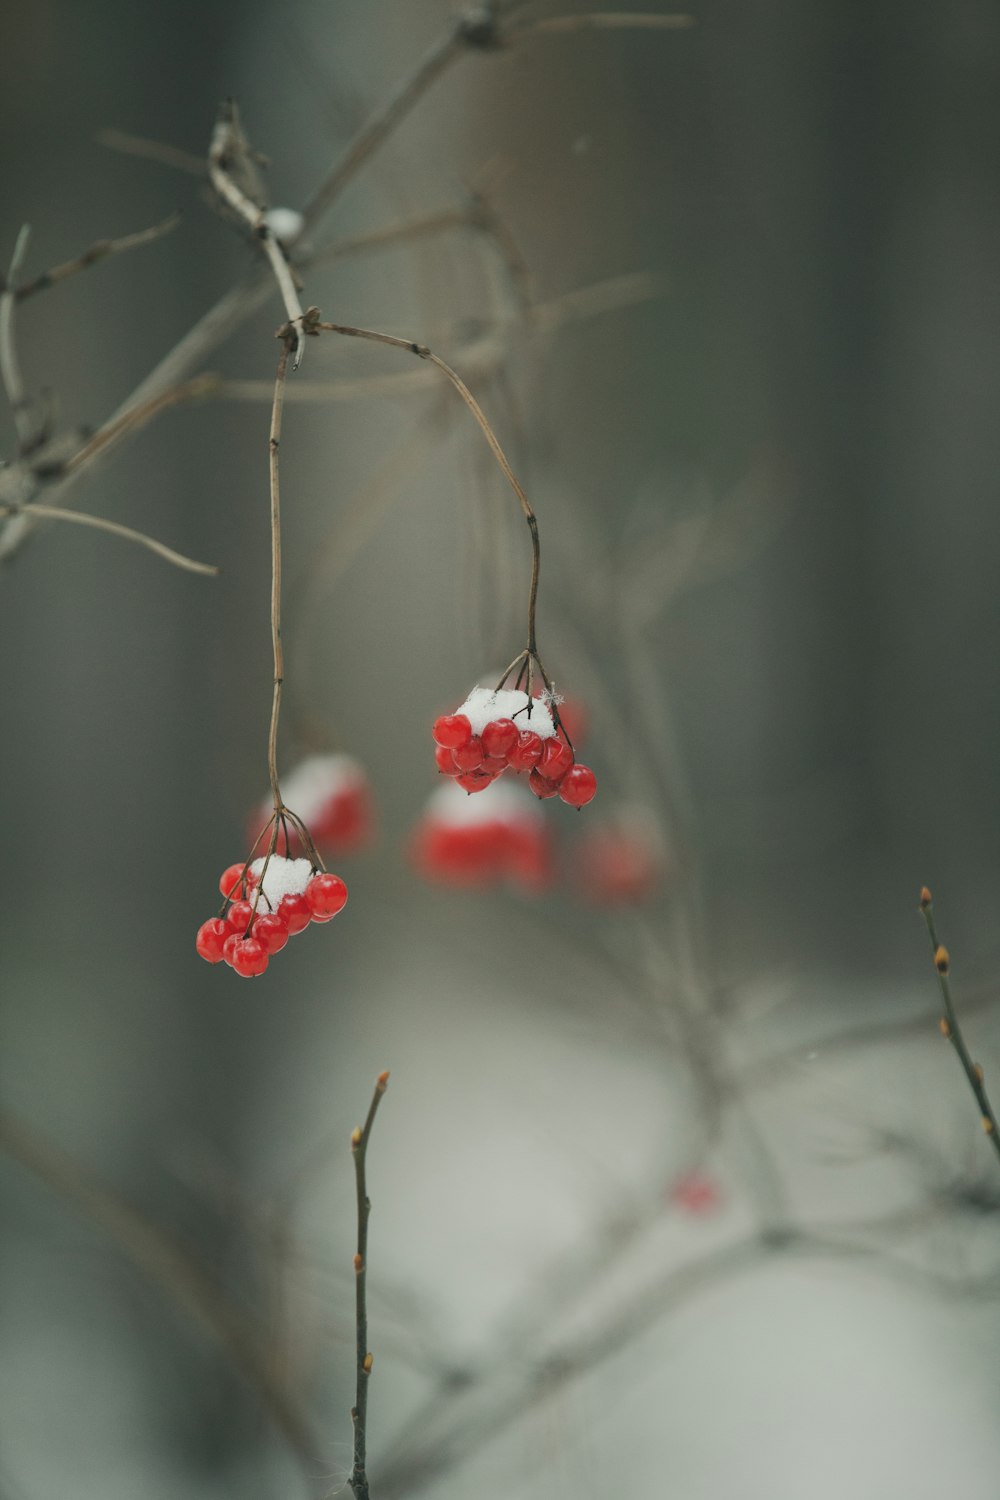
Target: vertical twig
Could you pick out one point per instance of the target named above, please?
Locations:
(274, 443)
(359, 1412)
(950, 1028)
(10, 365)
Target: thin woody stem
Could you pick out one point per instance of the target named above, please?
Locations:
(359, 1413)
(98, 251)
(951, 1029)
(422, 352)
(274, 443)
(128, 533)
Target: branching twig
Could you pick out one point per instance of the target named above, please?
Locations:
(359, 1412)
(10, 365)
(100, 250)
(99, 523)
(227, 147)
(950, 1028)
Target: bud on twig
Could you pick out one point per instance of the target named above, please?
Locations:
(945, 1028)
(925, 898)
(941, 959)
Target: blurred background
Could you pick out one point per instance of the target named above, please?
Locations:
(676, 1187)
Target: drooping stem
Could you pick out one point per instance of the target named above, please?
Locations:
(274, 443)
(952, 1031)
(422, 352)
(359, 1412)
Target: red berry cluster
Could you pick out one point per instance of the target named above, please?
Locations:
(475, 844)
(475, 760)
(249, 931)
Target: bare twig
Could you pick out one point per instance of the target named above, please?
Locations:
(132, 418)
(602, 21)
(99, 250)
(168, 156)
(99, 523)
(274, 443)
(359, 1413)
(164, 1261)
(228, 147)
(952, 1031)
(10, 365)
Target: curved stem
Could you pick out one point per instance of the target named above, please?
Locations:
(422, 352)
(80, 518)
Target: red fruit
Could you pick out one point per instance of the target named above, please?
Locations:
(231, 880)
(294, 910)
(469, 756)
(211, 936)
(578, 786)
(229, 946)
(272, 931)
(526, 751)
(475, 781)
(541, 787)
(494, 765)
(445, 760)
(556, 759)
(239, 915)
(499, 737)
(249, 958)
(452, 730)
(326, 895)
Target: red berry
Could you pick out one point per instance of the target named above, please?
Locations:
(452, 730)
(445, 762)
(526, 751)
(229, 946)
(578, 786)
(556, 759)
(494, 765)
(294, 909)
(326, 895)
(239, 916)
(475, 781)
(211, 936)
(470, 756)
(249, 958)
(271, 930)
(540, 786)
(499, 737)
(231, 881)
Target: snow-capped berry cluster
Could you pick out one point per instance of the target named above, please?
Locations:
(466, 841)
(266, 903)
(333, 798)
(496, 731)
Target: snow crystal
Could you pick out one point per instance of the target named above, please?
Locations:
(285, 877)
(483, 705)
(503, 802)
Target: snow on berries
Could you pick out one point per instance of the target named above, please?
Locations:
(333, 798)
(480, 841)
(504, 729)
(265, 903)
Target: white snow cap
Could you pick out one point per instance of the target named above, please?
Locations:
(284, 223)
(285, 877)
(317, 779)
(483, 705)
(503, 802)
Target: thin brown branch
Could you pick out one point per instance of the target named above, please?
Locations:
(274, 443)
(167, 156)
(359, 1413)
(602, 21)
(167, 1263)
(114, 528)
(952, 1031)
(10, 364)
(132, 418)
(422, 352)
(228, 148)
(99, 250)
